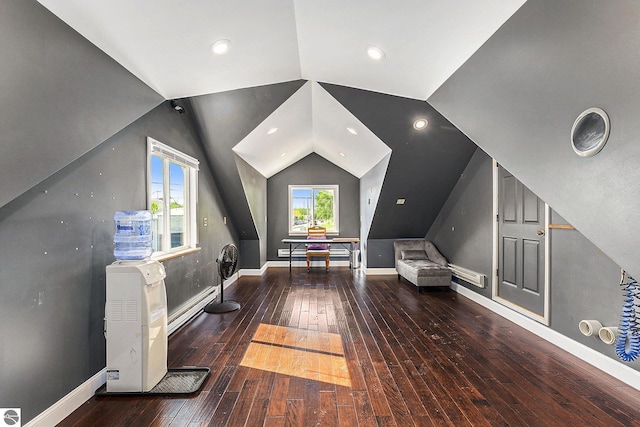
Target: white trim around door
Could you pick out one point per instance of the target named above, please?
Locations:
(545, 319)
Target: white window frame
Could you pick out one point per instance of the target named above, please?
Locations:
(167, 153)
(336, 206)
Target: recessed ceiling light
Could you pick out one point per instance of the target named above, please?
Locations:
(220, 47)
(352, 131)
(375, 53)
(272, 131)
(420, 124)
(342, 154)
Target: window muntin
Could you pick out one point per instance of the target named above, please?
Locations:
(172, 190)
(177, 186)
(313, 205)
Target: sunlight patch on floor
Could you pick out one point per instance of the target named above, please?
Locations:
(296, 352)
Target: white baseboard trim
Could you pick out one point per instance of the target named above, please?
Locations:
(196, 304)
(72, 401)
(302, 253)
(600, 361)
(303, 263)
(253, 271)
(379, 271)
(85, 391)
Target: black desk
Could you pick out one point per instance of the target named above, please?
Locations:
(351, 241)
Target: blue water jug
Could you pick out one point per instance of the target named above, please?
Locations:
(132, 238)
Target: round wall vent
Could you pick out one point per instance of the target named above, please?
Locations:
(590, 132)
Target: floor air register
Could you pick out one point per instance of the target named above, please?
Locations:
(136, 333)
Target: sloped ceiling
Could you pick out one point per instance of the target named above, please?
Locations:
(311, 121)
(51, 79)
(301, 66)
(227, 118)
(424, 165)
(540, 71)
(167, 45)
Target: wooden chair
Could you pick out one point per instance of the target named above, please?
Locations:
(318, 250)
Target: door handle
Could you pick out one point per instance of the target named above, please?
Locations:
(540, 232)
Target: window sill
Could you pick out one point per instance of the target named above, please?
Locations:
(172, 255)
(306, 234)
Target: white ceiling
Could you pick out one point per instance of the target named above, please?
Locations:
(311, 120)
(166, 43)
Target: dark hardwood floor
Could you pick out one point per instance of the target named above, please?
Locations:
(339, 349)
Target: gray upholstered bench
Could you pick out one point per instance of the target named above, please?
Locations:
(420, 263)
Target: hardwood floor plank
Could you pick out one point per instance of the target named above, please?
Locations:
(376, 345)
(258, 413)
(421, 363)
(274, 422)
(223, 412)
(278, 400)
(339, 348)
(311, 399)
(328, 413)
(347, 415)
(294, 415)
(377, 399)
(244, 403)
(473, 386)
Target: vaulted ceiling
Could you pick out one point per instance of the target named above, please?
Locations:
(167, 45)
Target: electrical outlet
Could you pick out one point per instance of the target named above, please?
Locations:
(224, 219)
(205, 221)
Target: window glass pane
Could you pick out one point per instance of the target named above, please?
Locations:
(323, 208)
(301, 205)
(313, 205)
(157, 201)
(177, 206)
(172, 198)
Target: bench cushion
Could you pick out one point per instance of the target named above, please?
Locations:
(420, 262)
(424, 267)
(413, 254)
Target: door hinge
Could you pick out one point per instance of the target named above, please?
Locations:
(497, 217)
(497, 272)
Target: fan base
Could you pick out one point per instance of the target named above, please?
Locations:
(221, 307)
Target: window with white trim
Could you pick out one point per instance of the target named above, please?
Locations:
(311, 205)
(172, 196)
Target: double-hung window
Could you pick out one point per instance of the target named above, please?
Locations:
(311, 205)
(172, 192)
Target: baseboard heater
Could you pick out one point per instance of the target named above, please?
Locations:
(468, 276)
(301, 252)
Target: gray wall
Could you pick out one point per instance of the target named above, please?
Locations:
(423, 168)
(583, 279)
(224, 119)
(57, 239)
(72, 152)
(463, 230)
(310, 170)
(584, 285)
(379, 253)
(519, 94)
(255, 191)
(51, 79)
(370, 187)
(424, 165)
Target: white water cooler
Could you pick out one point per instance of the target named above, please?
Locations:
(135, 325)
